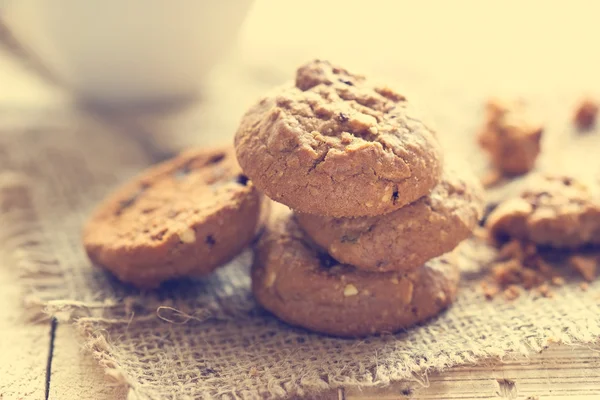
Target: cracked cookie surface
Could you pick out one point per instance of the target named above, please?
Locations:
(183, 217)
(304, 286)
(403, 239)
(335, 144)
(552, 210)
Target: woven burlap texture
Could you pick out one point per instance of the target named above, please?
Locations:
(207, 338)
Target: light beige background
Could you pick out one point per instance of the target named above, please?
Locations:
(487, 47)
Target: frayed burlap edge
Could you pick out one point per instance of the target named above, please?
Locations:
(26, 250)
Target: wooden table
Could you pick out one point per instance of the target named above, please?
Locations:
(50, 363)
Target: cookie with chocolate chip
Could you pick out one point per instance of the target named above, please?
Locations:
(304, 286)
(406, 238)
(184, 217)
(333, 143)
(551, 210)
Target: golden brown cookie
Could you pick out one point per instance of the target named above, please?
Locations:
(557, 211)
(304, 286)
(184, 217)
(335, 144)
(406, 238)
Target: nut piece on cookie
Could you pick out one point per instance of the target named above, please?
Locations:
(406, 238)
(557, 211)
(302, 285)
(585, 115)
(510, 137)
(333, 143)
(184, 217)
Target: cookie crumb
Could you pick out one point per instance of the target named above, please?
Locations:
(512, 292)
(544, 290)
(187, 236)
(558, 211)
(489, 291)
(510, 250)
(585, 115)
(350, 290)
(511, 138)
(585, 265)
(507, 272)
(558, 281)
(584, 286)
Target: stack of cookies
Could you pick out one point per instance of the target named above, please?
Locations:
(368, 247)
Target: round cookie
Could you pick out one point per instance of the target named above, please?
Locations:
(406, 238)
(184, 217)
(336, 144)
(304, 286)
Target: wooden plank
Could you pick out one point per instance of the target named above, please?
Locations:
(75, 374)
(558, 372)
(23, 346)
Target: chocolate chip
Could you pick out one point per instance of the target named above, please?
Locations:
(395, 196)
(343, 117)
(349, 238)
(346, 82)
(216, 158)
(326, 260)
(406, 391)
(210, 241)
(124, 204)
(567, 181)
(160, 234)
(242, 179)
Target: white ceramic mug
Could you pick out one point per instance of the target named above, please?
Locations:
(127, 51)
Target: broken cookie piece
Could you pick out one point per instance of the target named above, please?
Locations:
(510, 137)
(585, 115)
(555, 211)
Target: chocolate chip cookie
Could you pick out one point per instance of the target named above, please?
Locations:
(304, 286)
(406, 238)
(336, 144)
(184, 217)
(557, 211)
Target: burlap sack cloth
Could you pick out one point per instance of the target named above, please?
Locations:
(207, 338)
